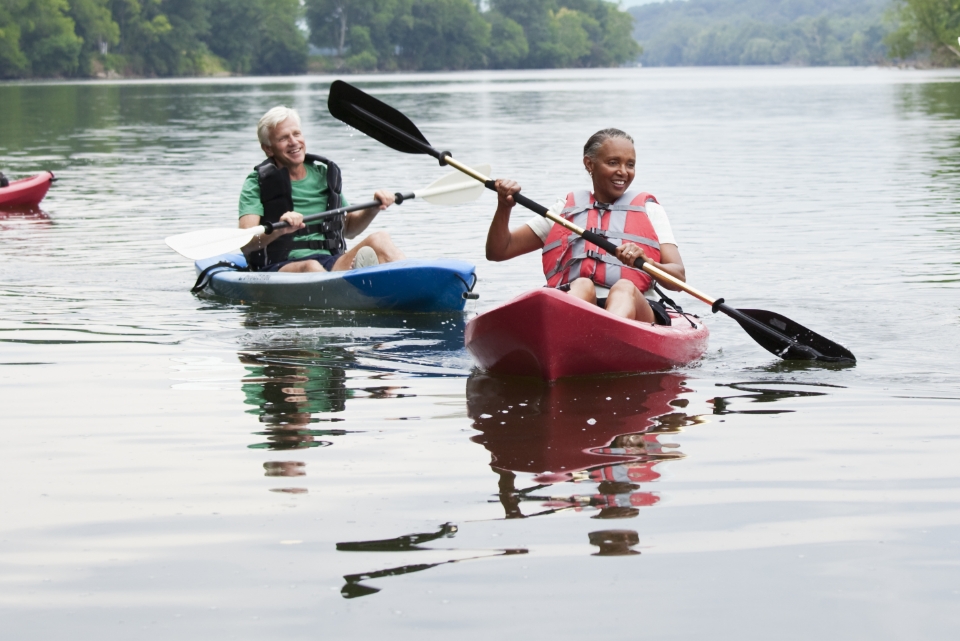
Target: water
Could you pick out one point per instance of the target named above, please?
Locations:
(185, 467)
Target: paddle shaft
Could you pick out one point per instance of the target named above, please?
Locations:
(269, 228)
(716, 304)
(445, 157)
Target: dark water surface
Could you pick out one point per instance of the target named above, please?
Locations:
(185, 468)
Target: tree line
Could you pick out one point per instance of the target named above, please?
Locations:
(84, 38)
(763, 32)
(798, 32)
(388, 35)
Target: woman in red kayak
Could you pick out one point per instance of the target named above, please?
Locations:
(633, 220)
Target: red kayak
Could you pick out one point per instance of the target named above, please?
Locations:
(550, 334)
(26, 192)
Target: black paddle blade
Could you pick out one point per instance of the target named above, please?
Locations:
(790, 340)
(376, 119)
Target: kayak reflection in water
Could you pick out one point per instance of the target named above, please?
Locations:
(604, 432)
(290, 184)
(633, 220)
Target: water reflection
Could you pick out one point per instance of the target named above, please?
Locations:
(12, 218)
(354, 587)
(615, 542)
(604, 432)
(286, 388)
(758, 393)
(300, 366)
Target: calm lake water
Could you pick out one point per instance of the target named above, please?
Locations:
(187, 468)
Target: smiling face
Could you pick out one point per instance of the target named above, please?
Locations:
(287, 147)
(613, 169)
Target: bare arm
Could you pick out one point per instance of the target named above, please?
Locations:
(262, 240)
(503, 244)
(670, 260)
(357, 221)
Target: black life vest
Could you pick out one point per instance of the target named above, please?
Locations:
(276, 195)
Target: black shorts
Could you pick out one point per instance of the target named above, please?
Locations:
(326, 261)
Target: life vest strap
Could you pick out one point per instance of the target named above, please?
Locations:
(578, 209)
(631, 237)
(604, 258)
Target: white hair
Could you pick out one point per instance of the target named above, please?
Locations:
(271, 119)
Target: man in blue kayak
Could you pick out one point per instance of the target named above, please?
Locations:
(291, 183)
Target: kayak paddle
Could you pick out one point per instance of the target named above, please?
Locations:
(775, 333)
(452, 189)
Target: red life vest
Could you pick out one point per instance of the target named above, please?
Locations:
(567, 256)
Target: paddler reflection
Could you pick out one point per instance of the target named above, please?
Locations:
(290, 390)
(604, 432)
(286, 389)
(302, 383)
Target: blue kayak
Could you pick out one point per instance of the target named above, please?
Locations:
(438, 285)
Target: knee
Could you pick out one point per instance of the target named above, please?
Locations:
(582, 286)
(625, 287)
(379, 239)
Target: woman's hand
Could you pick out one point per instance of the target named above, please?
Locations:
(628, 253)
(505, 190)
(385, 198)
(295, 220)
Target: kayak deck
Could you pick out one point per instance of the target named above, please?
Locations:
(436, 285)
(551, 335)
(26, 192)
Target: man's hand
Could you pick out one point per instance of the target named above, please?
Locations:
(295, 220)
(385, 197)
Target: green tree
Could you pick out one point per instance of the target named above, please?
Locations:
(534, 16)
(96, 27)
(38, 39)
(330, 23)
(442, 34)
(933, 24)
(235, 32)
(508, 44)
(282, 47)
(143, 30)
(13, 62)
(571, 33)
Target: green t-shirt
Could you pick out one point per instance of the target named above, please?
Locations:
(309, 197)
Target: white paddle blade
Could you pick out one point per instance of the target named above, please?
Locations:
(205, 243)
(454, 188)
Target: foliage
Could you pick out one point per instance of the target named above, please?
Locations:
(455, 34)
(442, 34)
(760, 32)
(927, 25)
(63, 38)
(37, 38)
(511, 47)
(57, 38)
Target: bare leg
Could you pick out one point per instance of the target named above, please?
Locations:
(302, 266)
(584, 289)
(627, 301)
(381, 243)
